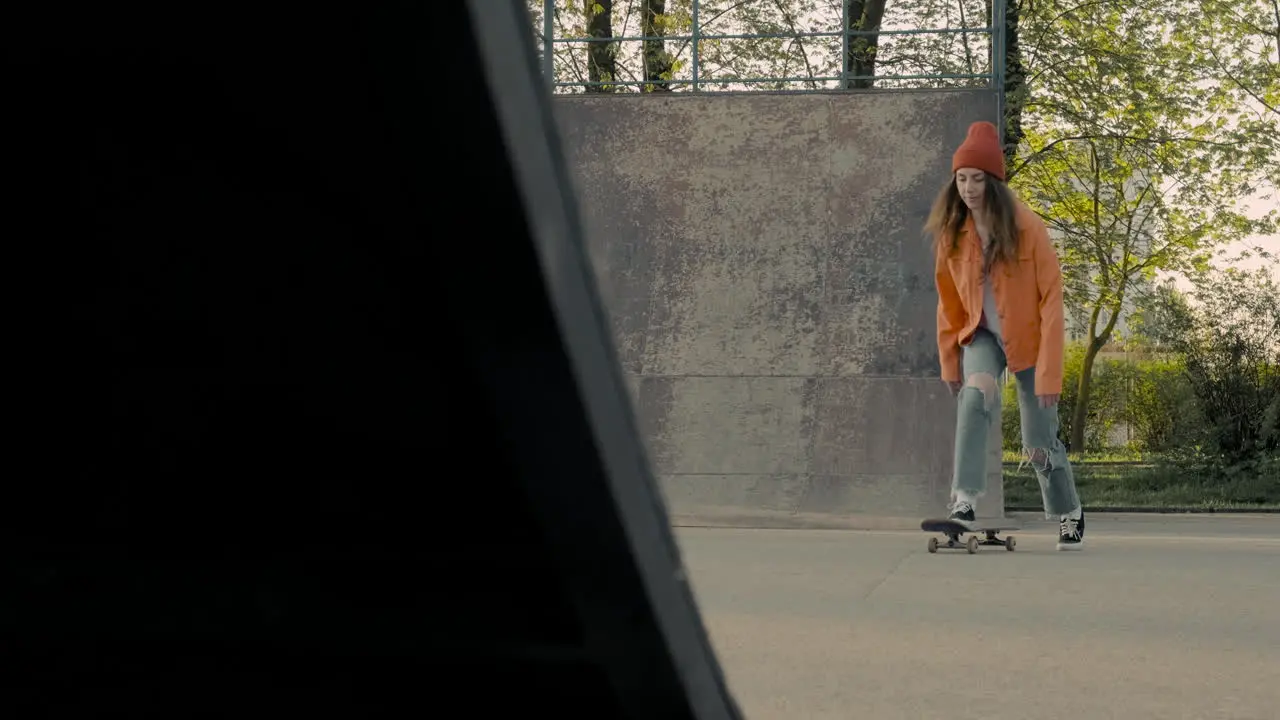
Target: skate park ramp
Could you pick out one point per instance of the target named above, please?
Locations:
(261, 314)
(772, 295)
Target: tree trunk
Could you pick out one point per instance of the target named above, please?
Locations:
(601, 65)
(1097, 341)
(657, 63)
(1275, 8)
(1015, 82)
(863, 15)
(1080, 414)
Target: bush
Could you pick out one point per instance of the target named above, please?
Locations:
(1204, 413)
(1230, 345)
(1214, 385)
(1111, 379)
(1162, 408)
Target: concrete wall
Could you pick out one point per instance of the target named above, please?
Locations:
(772, 293)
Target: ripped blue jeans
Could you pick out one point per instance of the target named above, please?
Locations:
(984, 362)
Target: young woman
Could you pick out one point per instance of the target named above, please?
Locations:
(1000, 307)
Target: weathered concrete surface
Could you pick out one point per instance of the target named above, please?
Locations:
(1160, 618)
(772, 295)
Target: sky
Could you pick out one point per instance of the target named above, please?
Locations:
(1255, 206)
(1271, 243)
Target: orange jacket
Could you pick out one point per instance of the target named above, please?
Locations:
(1028, 296)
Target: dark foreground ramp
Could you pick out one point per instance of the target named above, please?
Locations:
(321, 415)
(772, 294)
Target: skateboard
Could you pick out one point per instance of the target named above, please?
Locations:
(954, 530)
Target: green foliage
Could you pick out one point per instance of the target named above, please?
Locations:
(1112, 380)
(1237, 44)
(1010, 419)
(1201, 399)
(1227, 331)
(1141, 142)
(1161, 407)
(1152, 397)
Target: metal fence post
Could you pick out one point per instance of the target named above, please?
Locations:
(696, 32)
(548, 41)
(844, 44)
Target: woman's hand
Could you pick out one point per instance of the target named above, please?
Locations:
(1048, 401)
(954, 386)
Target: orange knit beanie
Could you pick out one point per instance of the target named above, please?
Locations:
(981, 149)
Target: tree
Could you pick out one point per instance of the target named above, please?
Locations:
(1015, 81)
(1135, 169)
(601, 56)
(1240, 42)
(864, 16)
(603, 63)
(658, 62)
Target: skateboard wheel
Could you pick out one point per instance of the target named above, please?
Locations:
(1009, 542)
(972, 545)
(933, 545)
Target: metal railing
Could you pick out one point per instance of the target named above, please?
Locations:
(697, 37)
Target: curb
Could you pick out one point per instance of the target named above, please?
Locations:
(1159, 510)
(748, 520)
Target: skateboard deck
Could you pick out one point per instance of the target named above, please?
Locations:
(953, 530)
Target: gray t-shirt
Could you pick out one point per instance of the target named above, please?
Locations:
(990, 314)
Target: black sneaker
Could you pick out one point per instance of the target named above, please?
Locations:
(1071, 532)
(962, 512)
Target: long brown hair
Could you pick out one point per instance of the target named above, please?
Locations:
(949, 214)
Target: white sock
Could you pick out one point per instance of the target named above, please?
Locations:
(964, 497)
